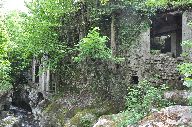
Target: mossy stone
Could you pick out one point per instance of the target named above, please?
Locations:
(84, 118)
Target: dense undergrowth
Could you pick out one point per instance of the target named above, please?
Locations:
(142, 99)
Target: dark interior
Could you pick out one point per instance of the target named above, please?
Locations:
(166, 33)
(134, 80)
(37, 74)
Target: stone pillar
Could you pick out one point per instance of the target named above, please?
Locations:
(144, 52)
(178, 43)
(41, 77)
(145, 44)
(47, 79)
(44, 76)
(33, 69)
(173, 43)
(187, 30)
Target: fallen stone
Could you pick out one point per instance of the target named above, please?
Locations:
(9, 121)
(103, 122)
(173, 116)
(179, 96)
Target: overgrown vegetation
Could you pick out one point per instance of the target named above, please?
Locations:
(141, 100)
(186, 68)
(93, 46)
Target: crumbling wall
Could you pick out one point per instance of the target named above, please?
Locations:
(162, 69)
(158, 69)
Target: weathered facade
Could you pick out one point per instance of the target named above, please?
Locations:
(161, 49)
(155, 57)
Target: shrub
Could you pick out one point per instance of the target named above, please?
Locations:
(140, 100)
(93, 46)
(186, 67)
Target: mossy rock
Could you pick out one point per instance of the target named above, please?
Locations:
(105, 123)
(56, 114)
(114, 120)
(105, 108)
(61, 116)
(52, 107)
(85, 118)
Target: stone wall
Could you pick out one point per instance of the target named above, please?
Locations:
(159, 68)
(162, 68)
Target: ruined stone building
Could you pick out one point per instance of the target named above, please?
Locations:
(161, 46)
(157, 55)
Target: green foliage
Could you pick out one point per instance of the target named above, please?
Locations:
(14, 22)
(150, 6)
(186, 70)
(5, 47)
(190, 101)
(104, 1)
(36, 34)
(84, 118)
(50, 10)
(155, 52)
(87, 120)
(4, 75)
(186, 67)
(187, 46)
(93, 46)
(141, 99)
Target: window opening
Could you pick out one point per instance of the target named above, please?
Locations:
(166, 34)
(37, 74)
(134, 80)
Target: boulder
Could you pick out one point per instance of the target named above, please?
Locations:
(180, 97)
(9, 121)
(84, 118)
(103, 122)
(5, 100)
(113, 120)
(173, 116)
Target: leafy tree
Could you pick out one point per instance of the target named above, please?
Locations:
(5, 47)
